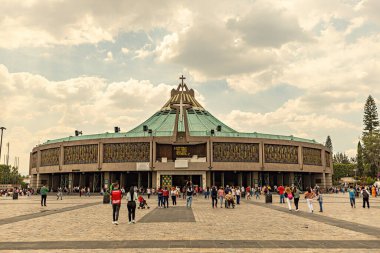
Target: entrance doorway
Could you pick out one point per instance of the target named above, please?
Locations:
(180, 180)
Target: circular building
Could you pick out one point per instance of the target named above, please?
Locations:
(182, 141)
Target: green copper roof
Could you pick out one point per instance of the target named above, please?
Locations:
(181, 108)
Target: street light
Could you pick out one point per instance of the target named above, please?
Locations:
(1, 138)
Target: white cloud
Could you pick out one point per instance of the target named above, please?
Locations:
(40, 109)
(47, 23)
(144, 52)
(327, 50)
(125, 50)
(109, 57)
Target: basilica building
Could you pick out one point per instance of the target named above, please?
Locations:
(181, 141)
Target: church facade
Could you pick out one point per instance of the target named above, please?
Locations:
(182, 141)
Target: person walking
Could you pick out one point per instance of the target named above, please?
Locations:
(289, 197)
(43, 191)
(214, 197)
(238, 195)
(148, 192)
(221, 196)
(296, 196)
(173, 194)
(281, 192)
(59, 193)
(248, 193)
(320, 200)
(88, 193)
(351, 194)
(257, 192)
(131, 198)
(160, 197)
(165, 196)
(116, 195)
(309, 196)
(189, 194)
(365, 195)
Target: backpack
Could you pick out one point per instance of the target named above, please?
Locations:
(365, 194)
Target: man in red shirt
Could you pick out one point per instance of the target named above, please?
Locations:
(281, 191)
(116, 196)
(165, 195)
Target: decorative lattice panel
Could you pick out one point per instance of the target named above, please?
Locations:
(235, 152)
(280, 154)
(312, 156)
(81, 154)
(33, 159)
(166, 181)
(126, 152)
(50, 157)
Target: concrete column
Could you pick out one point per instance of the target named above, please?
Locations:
(138, 179)
(51, 185)
(149, 184)
(300, 157)
(204, 179)
(208, 179)
(80, 180)
(100, 155)
(93, 182)
(158, 179)
(255, 178)
(61, 157)
(324, 180)
(261, 154)
(154, 179)
(70, 182)
(107, 180)
(249, 179)
(222, 178)
(240, 179)
(121, 179)
(291, 178)
(38, 183)
(213, 178)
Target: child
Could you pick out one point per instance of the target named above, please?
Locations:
(320, 200)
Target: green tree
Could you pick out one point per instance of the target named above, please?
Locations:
(341, 158)
(371, 118)
(360, 160)
(371, 152)
(9, 175)
(328, 143)
(343, 170)
(371, 138)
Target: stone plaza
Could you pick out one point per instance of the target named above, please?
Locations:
(85, 224)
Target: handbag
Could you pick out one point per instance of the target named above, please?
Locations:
(290, 196)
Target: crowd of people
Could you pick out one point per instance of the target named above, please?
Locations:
(227, 197)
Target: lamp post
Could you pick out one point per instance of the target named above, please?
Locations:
(1, 138)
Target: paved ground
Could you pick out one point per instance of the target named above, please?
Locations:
(85, 223)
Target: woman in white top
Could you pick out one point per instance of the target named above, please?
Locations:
(148, 191)
(173, 194)
(131, 198)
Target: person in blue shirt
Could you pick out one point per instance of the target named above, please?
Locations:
(351, 194)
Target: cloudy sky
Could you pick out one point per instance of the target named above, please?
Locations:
(284, 67)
